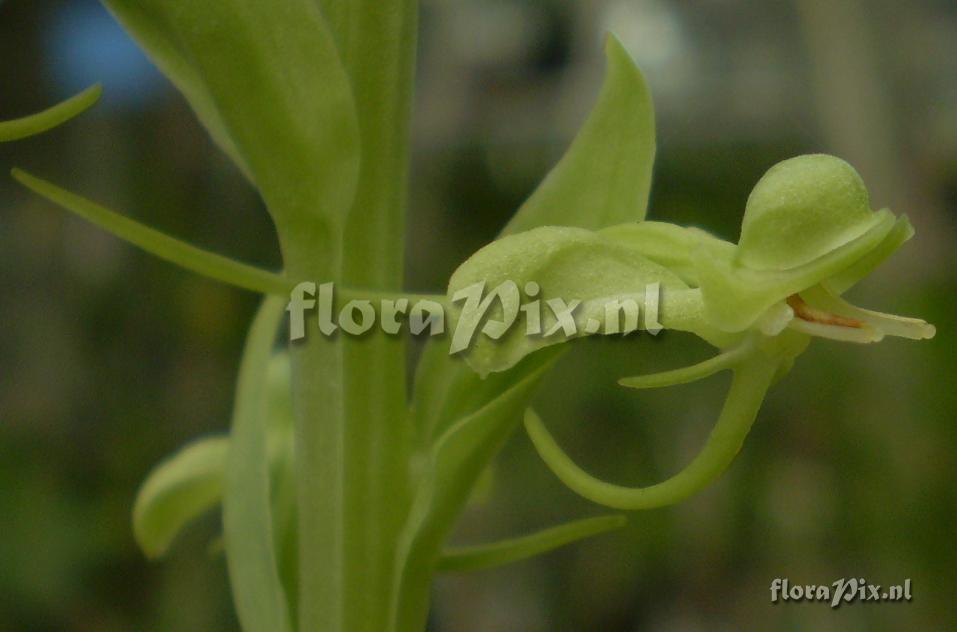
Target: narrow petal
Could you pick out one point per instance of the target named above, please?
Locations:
(474, 558)
(721, 362)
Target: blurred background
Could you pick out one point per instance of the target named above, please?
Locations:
(110, 359)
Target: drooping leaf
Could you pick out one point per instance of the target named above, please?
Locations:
(605, 176)
(247, 521)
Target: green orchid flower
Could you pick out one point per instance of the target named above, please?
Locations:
(808, 235)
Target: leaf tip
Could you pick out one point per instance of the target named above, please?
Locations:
(25, 179)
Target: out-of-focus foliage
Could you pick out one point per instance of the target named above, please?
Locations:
(110, 359)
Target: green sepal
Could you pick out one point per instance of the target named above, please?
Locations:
(668, 245)
(849, 276)
(565, 263)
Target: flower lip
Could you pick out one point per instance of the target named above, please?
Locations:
(736, 295)
(819, 312)
(806, 312)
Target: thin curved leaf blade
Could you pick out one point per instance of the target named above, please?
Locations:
(157, 243)
(247, 511)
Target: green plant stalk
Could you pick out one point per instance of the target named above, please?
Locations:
(352, 435)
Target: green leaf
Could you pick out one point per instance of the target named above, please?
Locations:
(481, 557)
(484, 485)
(584, 190)
(247, 523)
(267, 81)
(51, 117)
(450, 470)
(177, 491)
(190, 482)
(156, 38)
(190, 257)
(605, 176)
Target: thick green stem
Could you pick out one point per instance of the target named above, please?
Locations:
(352, 434)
